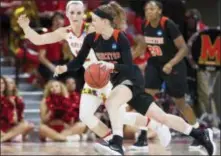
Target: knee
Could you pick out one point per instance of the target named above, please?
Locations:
(85, 116)
(112, 106)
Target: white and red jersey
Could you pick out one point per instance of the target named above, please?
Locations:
(75, 42)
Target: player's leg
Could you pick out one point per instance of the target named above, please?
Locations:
(88, 105)
(152, 87)
(141, 103)
(176, 87)
(176, 84)
(205, 137)
(119, 95)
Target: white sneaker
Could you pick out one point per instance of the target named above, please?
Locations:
(164, 135)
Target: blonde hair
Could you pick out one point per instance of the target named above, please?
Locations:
(6, 91)
(74, 2)
(47, 90)
(14, 92)
(116, 11)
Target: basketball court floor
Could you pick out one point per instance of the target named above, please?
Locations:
(179, 146)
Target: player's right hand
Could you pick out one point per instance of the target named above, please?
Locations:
(60, 70)
(23, 21)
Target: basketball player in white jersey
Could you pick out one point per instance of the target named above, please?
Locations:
(74, 34)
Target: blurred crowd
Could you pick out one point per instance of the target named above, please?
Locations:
(62, 123)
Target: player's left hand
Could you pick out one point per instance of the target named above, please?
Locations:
(106, 65)
(167, 68)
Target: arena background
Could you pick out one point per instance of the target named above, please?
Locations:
(19, 58)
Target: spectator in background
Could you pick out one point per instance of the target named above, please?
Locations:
(57, 117)
(74, 95)
(12, 122)
(194, 22)
(140, 53)
(51, 55)
(46, 10)
(6, 9)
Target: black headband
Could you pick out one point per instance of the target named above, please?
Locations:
(103, 14)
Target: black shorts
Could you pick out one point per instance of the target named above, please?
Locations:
(176, 82)
(141, 101)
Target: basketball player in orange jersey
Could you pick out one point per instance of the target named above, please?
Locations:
(90, 98)
(167, 49)
(128, 84)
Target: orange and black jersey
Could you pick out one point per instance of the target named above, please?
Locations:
(160, 40)
(116, 49)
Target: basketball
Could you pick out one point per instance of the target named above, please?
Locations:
(96, 76)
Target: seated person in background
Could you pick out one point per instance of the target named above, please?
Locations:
(139, 53)
(74, 96)
(57, 117)
(50, 55)
(12, 123)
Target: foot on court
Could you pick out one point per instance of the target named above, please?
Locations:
(195, 145)
(206, 140)
(109, 147)
(141, 144)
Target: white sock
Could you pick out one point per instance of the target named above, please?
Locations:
(118, 132)
(107, 138)
(154, 125)
(196, 125)
(188, 129)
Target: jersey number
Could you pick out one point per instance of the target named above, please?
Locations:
(155, 50)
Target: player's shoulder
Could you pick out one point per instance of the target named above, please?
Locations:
(63, 31)
(169, 22)
(91, 37)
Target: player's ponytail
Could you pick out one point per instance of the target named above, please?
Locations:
(113, 12)
(119, 14)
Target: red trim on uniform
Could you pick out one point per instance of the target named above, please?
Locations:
(82, 30)
(163, 21)
(148, 121)
(116, 34)
(96, 37)
(147, 23)
(109, 133)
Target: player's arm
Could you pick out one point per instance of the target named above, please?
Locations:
(125, 54)
(178, 41)
(36, 38)
(83, 53)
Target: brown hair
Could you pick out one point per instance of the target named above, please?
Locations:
(6, 92)
(47, 90)
(116, 11)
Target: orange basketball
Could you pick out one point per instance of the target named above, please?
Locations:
(96, 76)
